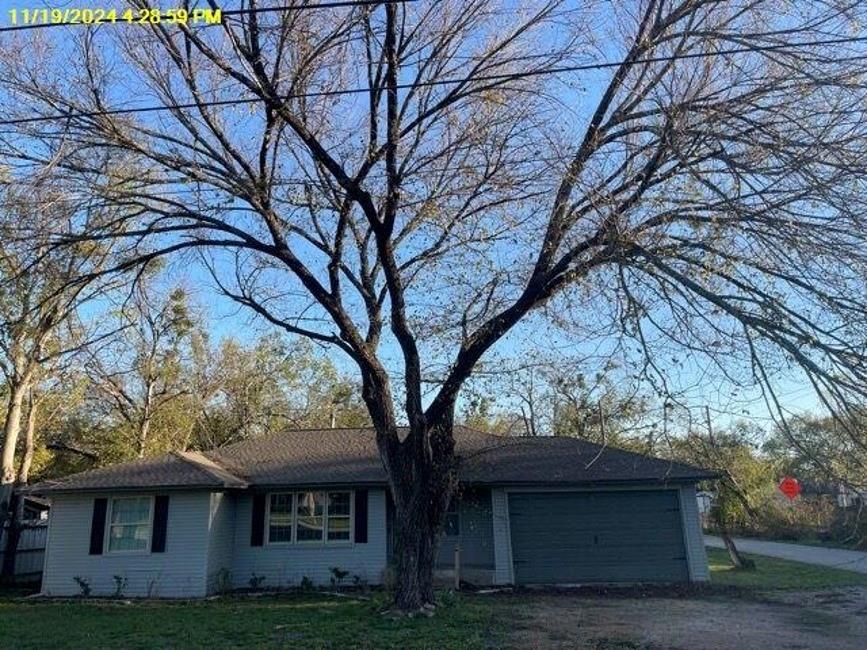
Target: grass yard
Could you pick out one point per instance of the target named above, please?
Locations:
(464, 622)
(309, 621)
(774, 573)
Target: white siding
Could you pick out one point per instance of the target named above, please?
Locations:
(692, 535)
(502, 538)
(178, 572)
(221, 541)
(286, 565)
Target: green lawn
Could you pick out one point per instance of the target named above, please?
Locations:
(288, 621)
(322, 621)
(773, 573)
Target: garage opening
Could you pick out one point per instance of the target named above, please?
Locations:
(597, 537)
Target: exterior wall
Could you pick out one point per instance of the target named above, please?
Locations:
(476, 540)
(178, 572)
(221, 542)
(503, 568)
(284, 565)
(692, 535)
(476, 537)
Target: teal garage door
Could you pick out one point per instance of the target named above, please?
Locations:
(586, 537)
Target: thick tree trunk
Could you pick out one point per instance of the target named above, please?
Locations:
(11, 431)
(15, 511)
(29, 442)
(13, 534)
(421, 491)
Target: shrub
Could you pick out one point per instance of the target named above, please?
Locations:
(255, 581)
(83, 586)
(119, 585)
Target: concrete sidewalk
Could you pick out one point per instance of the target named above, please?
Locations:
(832, 557)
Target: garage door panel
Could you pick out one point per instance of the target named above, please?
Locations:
(580, 537)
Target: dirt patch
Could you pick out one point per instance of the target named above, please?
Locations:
(824, 620)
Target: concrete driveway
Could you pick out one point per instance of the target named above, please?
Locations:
(833, 557)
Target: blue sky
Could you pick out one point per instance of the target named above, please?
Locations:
(228, 319)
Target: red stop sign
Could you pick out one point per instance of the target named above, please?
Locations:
(790, 487)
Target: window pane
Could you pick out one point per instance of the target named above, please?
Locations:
(128, 538)
(338, 528)
(280, 518)
(338, 504)
(311, 520)
(135, 510)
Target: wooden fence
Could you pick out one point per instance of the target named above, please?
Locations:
(31, 551)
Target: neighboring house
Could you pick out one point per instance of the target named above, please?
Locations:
(848, 497)
(273, 510)
(35, 509)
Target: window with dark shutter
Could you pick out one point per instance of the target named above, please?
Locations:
(97, 526)
(257, 526)
(361, 516)
(161, 518)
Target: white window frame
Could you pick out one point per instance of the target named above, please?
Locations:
(324, 541)
(268, 519)
(110, 510)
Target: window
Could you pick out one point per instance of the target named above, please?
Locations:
(338, 516)
(130, 524)
(452, 524)
(310, 517)
(281, 517)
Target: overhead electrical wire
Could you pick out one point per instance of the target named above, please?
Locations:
(506, 76)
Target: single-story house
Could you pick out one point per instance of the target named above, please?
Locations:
(271, 511)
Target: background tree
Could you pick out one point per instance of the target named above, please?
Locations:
(41, 295)
(745, 480)
(144, 370)
(409, 183)
(274, 384)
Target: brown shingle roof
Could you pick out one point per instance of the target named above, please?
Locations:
(350, 456)
(166, 471)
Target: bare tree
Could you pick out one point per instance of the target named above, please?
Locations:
(40, 300)
(421, 178)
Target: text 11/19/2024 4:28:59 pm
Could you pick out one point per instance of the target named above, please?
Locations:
(99, 16)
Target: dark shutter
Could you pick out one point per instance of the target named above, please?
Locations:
(97, 526)
(361, 516)
(257, 527)
(161, 517)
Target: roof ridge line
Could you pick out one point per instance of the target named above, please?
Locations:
(208, 465)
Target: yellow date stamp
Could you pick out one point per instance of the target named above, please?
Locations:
(102, 16)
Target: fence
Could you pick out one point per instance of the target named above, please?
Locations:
(31, 551)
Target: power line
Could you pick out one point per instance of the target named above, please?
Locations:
(336, 4)
(441, 82)
(208, 188)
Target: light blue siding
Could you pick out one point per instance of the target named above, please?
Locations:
(284, 565)
(178, 572)
(221, 542)
(502, 538)
(695, 551)
(476, 538)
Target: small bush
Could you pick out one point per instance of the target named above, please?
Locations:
(255, 581)
(119, 585)
(337, 577)
(223, 580)
(83, 586)
(306, 584)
